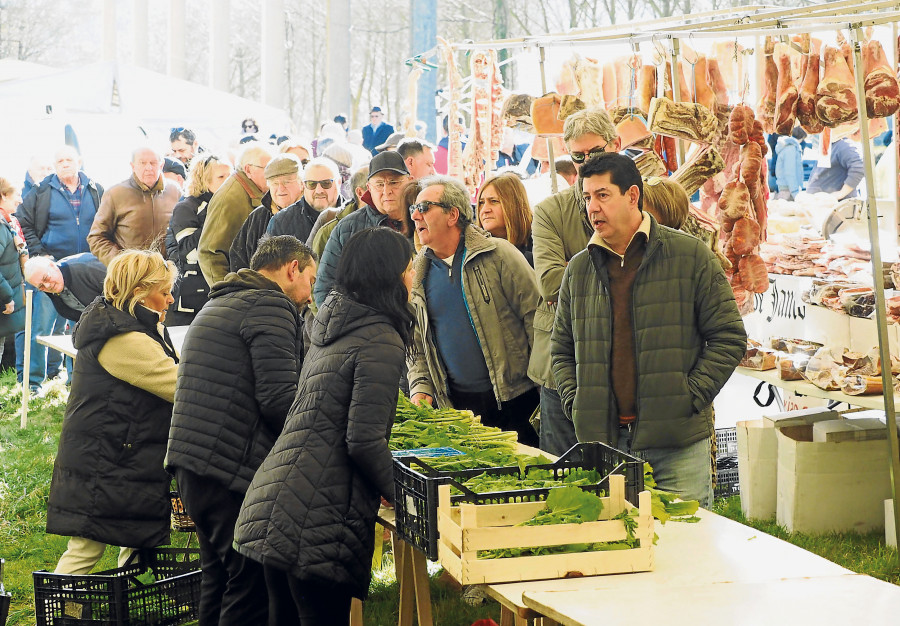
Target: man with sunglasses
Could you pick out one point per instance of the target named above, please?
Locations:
(321, 184)
(377, 131)
(285, 190)
(474, 298)
(387, 175)
(228, 210)
(561, 230)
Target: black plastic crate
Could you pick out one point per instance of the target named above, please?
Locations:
(416, 485)
(726, 442)
(727, 483)
(117, 597)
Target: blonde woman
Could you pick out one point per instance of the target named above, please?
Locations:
(185, 227)
(503, 210)
(667, 201)
(12, 251)
(109, 485)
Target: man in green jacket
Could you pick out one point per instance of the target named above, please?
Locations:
(646, 333)
(561, 230)
(474, 298)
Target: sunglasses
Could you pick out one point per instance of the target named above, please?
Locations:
(304, 163)
(580, 157)
(424, 206)
(311, 184)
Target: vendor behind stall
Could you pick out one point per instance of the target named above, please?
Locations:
(843, 169)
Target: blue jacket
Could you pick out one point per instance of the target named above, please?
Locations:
(50, 225)
(846, 169)
(367, 217)
(376, 137)
(789, 165)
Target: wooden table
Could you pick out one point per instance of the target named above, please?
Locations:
(63, 343)
(707, 555)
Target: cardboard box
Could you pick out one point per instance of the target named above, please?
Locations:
(758, 457)
(826, 326)
(859, 429)
(757, 463)
(828, 486)
(800, 418)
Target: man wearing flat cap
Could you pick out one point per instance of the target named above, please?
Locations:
(474, 298)
(377, 132)
(285, 191)
(387, 175)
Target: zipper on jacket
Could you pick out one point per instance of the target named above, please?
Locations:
(482, 285)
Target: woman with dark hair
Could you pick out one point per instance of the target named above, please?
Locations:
(310, 509)
(503, 210)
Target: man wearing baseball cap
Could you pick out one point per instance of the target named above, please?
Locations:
(387, 174)
(377, 132)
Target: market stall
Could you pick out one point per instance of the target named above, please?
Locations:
(693, 98)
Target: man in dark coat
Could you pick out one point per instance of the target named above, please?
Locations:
(71, 283)
(321, 189)
(377, 132)
(240, 366)
(285, 192)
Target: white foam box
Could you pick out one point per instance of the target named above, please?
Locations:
(864, 336)
(758, 458)
(830, 486)
(826, 326)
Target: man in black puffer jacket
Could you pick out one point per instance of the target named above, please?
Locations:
(240, 364)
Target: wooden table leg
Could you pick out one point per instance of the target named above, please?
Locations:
(405, 578)
(419, 566)
(507, 617)
(356, 612)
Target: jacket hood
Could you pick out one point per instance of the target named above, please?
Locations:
(785, 142)
(242, 280)
(340, 315)
(101, 321)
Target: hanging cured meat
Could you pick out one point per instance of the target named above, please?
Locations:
(646, 87)
(485, 132)
(730, 60)
(686, 120)
(806, 101)
(699, 168)
(545, 114)
(717, 81)
(745, 236)
(754, 276)
(567, 85)
(609, 84)
(766, 106)
(589, 76)
(786, 102)
(882, 89)
(836, 94)
(703, 91)
(684, 90)
(740, 124)
(454, 128)
(751, 162)
(625, 84)
(734, 203)
(517, 112)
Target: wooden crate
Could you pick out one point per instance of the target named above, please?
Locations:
(468, 528)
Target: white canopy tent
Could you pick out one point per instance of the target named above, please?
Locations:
(114, 107)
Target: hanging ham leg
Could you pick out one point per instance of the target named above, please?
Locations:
(740, 124)
(882, 88)
(751, 162)
(717, 81)
(836, 94)
(702, 89)
(766, 106)
(786, 103)
(609, 85)
(806, 102)
(647, 88)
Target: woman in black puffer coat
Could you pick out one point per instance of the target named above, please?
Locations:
(109, 485)
(309, 513)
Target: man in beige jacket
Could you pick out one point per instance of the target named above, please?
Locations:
(229, 208)
(136, 212)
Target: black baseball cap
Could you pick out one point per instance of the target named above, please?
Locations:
(388, 160)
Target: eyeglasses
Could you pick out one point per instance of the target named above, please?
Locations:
(393, 185)
(304, 162)
(580, 157)
(425, 205)
(311, 184)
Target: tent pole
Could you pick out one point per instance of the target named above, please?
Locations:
(553, 186)
(884, 347)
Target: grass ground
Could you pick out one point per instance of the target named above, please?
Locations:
(26, 463)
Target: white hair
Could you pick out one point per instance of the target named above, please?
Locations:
(323, 162)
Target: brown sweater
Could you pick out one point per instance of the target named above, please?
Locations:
(621, 272)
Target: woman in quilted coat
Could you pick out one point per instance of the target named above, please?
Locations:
(309, 514)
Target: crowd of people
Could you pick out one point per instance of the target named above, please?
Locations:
(317, 281)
